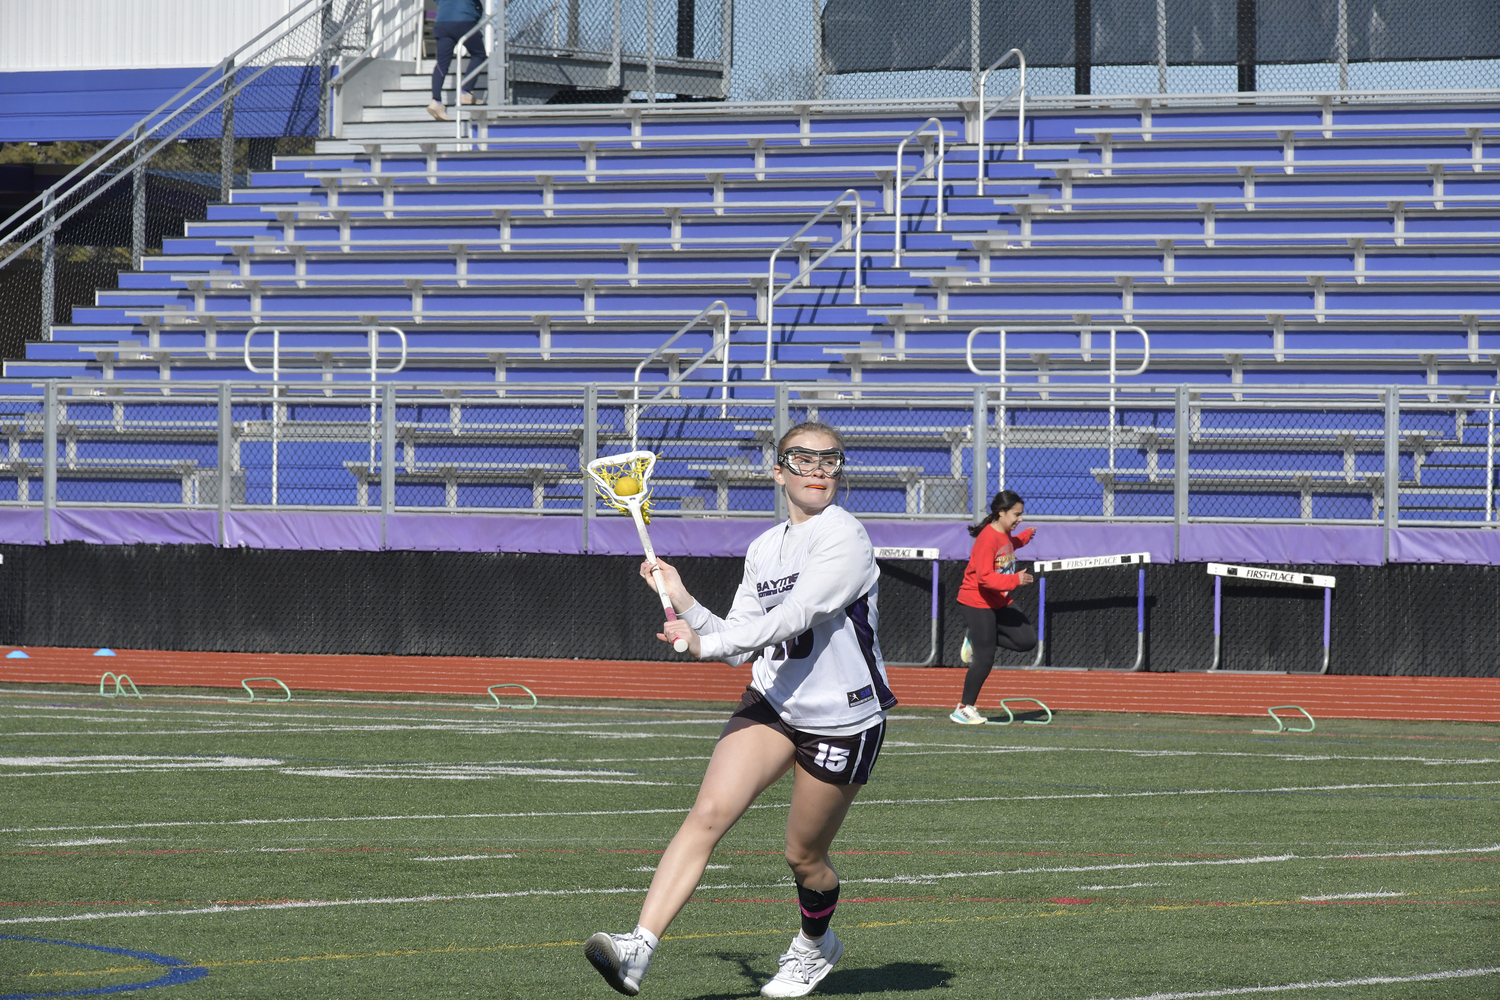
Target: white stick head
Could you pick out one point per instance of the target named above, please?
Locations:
(625, 480)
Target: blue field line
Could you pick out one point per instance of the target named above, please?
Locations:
(181, 972)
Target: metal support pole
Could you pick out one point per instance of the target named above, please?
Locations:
(573, 24)
(590, 452)
(685, 16)
(616, 73)
(1218, 605)
(1327, 625)
(138, 202)
(325, 91)
(974, 64)
(1140, 622)
(1161, 46)
(780, 425)
(1244, 21)
(1083, 47)
(387, 456)
(49, 458)
(650, 51)
(726, 49)
(226, 459)
(1392, 464)
(497, 85)
(49, 265)
(817, 26)
(1341, 44)
(1041, 621)
(979, 476)
(226, 141)
(1180, 469)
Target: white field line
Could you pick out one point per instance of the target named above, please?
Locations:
(622, 709)
(917, 879)
(157, 824)
(904, 747)
(1261, 860)
(1322, 985)
(464, 857)
(1132, 885)
(1353, 895)
(312, 904)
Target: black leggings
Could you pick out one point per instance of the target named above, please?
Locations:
(988, 628)
(447, 34)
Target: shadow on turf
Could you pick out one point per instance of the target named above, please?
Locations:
(894, 977)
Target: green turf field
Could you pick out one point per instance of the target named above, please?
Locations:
(391, 847)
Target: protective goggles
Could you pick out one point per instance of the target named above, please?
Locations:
(804, 461)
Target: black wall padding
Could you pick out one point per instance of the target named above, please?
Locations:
(1421, 620)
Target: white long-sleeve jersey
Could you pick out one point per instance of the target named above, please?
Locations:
(806, 613)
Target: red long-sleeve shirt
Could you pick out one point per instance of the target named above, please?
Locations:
(991, 574)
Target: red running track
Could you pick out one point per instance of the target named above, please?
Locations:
(1448, 698)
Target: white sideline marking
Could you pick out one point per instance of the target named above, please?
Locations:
(1353, 895)
(973, 748)
(89, 842)
(759, 805)
(312, 904)
(1325, 984)
(464, 857)
(1132, 885)
(1260, 860)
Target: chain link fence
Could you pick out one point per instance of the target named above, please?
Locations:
(1130, 454)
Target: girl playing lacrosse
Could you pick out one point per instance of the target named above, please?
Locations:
(984, 598)
(805, 614)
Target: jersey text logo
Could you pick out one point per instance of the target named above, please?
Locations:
(765, 588)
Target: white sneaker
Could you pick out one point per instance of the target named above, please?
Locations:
(966, 654)
(622, 959)
(804, 966)
(967, 715)
(470, 98)
(437, 111)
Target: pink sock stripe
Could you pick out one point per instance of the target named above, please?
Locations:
(821, 913)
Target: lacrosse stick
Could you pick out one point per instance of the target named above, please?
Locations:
(624, 480)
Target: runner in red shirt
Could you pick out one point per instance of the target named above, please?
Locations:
(984, 598)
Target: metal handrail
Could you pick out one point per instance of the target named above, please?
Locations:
(144, 125)
(496, 18)
(241, 81)
(723, 307)
(1080, 330)
(1020, 117)
(398, 31)
(900, 187)
(275, 373)
(856, 234)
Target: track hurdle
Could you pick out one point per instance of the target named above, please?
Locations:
(1042, 567)
(887, 552)
(1220, 570)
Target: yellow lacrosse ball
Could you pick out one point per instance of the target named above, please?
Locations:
(627, 486)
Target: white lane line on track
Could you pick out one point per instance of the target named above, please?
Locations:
(1322, 985)
(758, 805)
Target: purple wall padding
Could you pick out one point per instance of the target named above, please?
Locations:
(949, 537)
(614, 535)
(1070, 541)
(22, 527)
(1331, 545)
(484, 533)
(99, 526)
(1473, 546)
(297, 530)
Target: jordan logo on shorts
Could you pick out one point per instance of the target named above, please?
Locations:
(831, 758)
